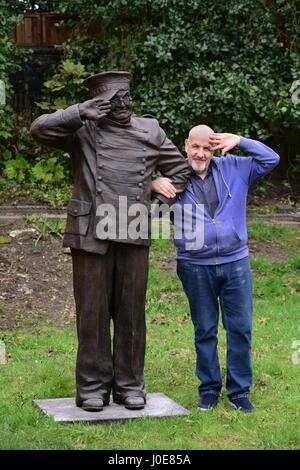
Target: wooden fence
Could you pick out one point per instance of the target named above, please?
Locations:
(40, 30)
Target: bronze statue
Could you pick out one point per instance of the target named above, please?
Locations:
(113, 155)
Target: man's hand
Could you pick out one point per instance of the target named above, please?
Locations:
(164, 186)
(94, 109)
(225, 142)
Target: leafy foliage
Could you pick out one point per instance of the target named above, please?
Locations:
(45, 227)
(44, 172)
(230, 64)
(65, 87)
(11, 60)
(24, 162)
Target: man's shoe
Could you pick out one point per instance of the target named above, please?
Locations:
(92, 404)
(242, 404)
(208, 402)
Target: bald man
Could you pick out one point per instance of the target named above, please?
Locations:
(218, 274)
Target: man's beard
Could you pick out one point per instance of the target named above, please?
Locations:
(198, 167)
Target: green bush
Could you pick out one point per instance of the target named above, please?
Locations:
(65, 87)
(31, 170)
(42, 171)
(230, 64)
(11, 60)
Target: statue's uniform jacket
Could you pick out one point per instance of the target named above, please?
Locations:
(109, 160)
(110, 279)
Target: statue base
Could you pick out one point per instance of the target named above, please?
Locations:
(64, 410)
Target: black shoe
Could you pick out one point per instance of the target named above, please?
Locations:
(208, 402)
(92, 404)
(132, 402)
(242, 404)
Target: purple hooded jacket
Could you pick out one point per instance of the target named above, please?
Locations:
(225, 235)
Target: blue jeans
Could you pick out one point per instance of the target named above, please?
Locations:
(230, 285)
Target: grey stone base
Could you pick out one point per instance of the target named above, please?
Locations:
(64, 410)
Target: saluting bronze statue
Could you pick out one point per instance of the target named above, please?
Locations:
(113, 155)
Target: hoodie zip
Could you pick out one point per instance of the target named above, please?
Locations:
(229, 193)
(226, 185)
(190, 189)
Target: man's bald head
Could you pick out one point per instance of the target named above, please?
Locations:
(201, 131)
(199, 149)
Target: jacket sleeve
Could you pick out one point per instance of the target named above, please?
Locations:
(57, 129)
(172, 165)
(259, 161)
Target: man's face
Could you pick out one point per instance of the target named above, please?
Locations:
(121, 105)
(199, 152)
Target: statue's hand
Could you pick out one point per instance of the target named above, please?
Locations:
(94, 109)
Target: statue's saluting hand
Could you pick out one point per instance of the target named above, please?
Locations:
(94, 109)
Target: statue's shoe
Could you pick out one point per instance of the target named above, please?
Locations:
(134, 403)
(93, 404)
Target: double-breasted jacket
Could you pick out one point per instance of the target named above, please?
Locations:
(112, 164)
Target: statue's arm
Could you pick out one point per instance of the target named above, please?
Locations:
(172, 165)
(58, 129)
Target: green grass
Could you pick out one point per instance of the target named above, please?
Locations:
(262, 231)
(41, 365)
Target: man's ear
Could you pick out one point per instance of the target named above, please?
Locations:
(186, 144)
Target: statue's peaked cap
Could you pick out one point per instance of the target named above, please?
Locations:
(107, 84)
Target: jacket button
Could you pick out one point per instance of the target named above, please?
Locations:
(144, 149)
(142, 172)
(143, 160)
(101, 165)
(138, 198)
(75, 211)
(140, 185)
(99, 191)
(99, 178)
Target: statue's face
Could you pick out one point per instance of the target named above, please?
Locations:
(121, 105)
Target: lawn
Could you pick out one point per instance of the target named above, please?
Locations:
(42, 357)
